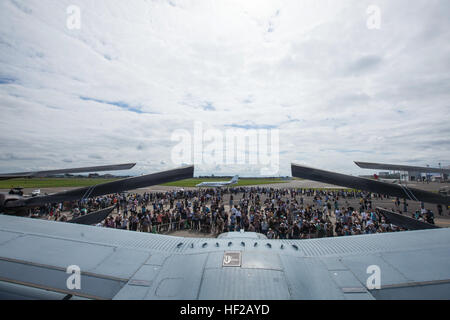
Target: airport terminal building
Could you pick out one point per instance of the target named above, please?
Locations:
(413, 173)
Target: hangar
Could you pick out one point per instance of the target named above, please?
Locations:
(414, 173)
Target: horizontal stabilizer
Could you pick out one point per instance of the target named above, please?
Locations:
(37, 174)
(405, 221)
(93, 217)
(107, 188)
(390, 189)
(399, 167)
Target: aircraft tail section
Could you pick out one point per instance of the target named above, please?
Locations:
(235, 179)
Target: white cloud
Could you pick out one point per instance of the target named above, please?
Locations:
(115, 90)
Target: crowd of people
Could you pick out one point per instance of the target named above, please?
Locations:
(276, 213)
(58, 212)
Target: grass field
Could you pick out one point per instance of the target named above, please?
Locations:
(242, 182)
(51, 182)
(84, 182)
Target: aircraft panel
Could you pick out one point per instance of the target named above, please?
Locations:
(140, 284)
(359, 264)
(12, 291)
(326, 268)
(157, 259)
(132, 292)
(309, 279)
(55, 252)
(49, 278)
(333, 263)
(438, 291)
(6, 236)
(179, 278)
(261, 260)
(122, 263)
(348, 283)
(145, 275)
(417, 264)
(243, 284)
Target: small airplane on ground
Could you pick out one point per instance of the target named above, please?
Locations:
(218, 184)
(377, 177)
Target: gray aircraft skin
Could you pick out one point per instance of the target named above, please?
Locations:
(9, 201)
(394, 190)
(400, 167)
(17, 204)
(35, 174)
(120, 264)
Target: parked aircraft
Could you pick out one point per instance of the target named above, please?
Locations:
(219, 184)
(377, 177)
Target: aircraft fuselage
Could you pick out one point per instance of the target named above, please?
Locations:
(9, 204)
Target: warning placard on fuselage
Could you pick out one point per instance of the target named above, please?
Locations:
(232, 259)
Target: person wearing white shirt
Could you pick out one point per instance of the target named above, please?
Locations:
(238, 217)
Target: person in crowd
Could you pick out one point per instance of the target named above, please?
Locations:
(277, 213)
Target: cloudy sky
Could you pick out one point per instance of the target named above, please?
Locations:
(116, 89)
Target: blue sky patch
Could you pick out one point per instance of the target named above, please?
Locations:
(120, 104)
